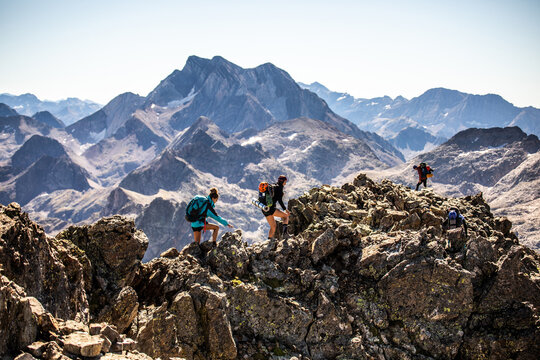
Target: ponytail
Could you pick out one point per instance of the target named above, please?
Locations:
(214, 193)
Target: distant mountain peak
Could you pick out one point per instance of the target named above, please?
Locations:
(6, 110)
(475, 139)
(49, 119)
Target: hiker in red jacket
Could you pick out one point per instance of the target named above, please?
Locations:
(424, 172)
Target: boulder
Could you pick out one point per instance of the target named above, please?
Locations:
(122, 311)
(323, 245)
(83, 344)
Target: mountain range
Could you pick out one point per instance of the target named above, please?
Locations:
(214, 123)
(68, 110)
(430, 118)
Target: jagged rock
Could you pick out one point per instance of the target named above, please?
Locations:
(255, 312)
(107, 343)
(37, 349)
(323, 245)
(113, 245)
(455, 239)
(230, 258)
(22, 318)
(443, 300)
(122, 311)
(126, 355)
(170, 330)
(110, 333)
(124, 345)
(36, 263)
(329, 332)
(170, 253)
(84, 344)
(25, 356)
(115, 249)
(216, 326)
(366, 273)
(95, 329)
(53, 351)
(71, 326)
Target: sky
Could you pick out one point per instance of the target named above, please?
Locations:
(97, 49)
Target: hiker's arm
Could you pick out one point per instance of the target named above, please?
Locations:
(282, 204)
(216, 217)
(465, 227)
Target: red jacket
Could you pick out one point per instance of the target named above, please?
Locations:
(421, 174)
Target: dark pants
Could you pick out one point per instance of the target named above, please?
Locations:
(422, 181)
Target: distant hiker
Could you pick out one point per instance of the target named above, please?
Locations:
(454, 220)
(424, 172)
(198, 209)
(270, 194)
(455, 228)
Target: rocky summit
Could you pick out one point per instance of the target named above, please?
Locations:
(366, 272)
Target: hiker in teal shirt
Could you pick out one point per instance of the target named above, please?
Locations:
(199, 226)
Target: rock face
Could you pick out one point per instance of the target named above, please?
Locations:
(411, 141)
(35, 148)
(106, 120)
(5, 110)
(366, 272)
(46, 175)
(15, 130)
(49, 119)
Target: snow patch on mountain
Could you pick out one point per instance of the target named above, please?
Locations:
(252, 140)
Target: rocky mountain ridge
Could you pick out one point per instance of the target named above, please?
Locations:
(492, 161)
(367, 273)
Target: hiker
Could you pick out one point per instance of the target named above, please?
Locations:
(277, 197)
(454, 220)
(207, 205)
(424, 172)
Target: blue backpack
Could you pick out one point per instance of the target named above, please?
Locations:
(454, 219)
(196, 209)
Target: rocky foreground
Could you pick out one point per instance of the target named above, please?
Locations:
(366, 274)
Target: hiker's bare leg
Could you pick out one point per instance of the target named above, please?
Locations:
(283, 215)
(215, 230)
(272, 223)
(197, 236)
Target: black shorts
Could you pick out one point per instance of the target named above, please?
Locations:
(197, 228)
(271, 211)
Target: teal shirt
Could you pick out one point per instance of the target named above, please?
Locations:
(212, 215)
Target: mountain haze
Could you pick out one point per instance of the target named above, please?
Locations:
(68, 110)
(439, 113)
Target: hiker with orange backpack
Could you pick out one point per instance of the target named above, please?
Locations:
(201, 207)
(270, 195)
(424, 172)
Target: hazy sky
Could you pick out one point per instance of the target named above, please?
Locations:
(98, 49)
